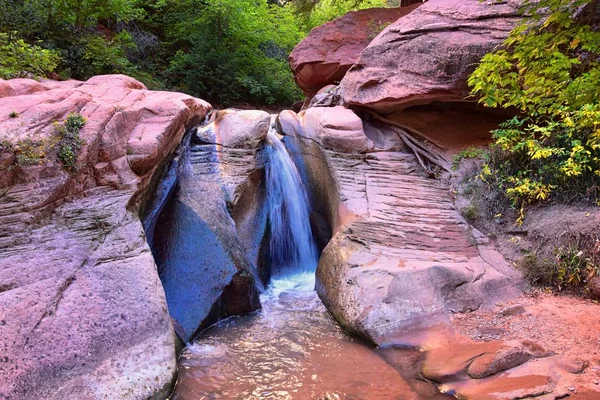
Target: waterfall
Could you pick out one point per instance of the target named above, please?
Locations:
(291, 244)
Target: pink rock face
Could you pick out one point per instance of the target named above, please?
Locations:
(401, 259)
(428, 54)
(236, 128)
(82, 310)
(325, 55)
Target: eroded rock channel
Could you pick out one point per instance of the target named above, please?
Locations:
(236, 222)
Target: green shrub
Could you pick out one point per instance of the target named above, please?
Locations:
(30, 152)
(548, 68)
(570, 265)
(69, 141)
(17, 58)
(470, 152)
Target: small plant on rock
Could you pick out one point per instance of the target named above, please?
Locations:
(30, 152)
(69, 141)
(6, 146)
(13, 114)
(470, 152)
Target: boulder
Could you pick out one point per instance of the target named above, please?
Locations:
(329, 50)
(334, 128)
(428, 54)
(401, 258)
(82, 310)
(236, 128)
(206, 267)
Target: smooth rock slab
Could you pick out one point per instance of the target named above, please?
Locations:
(428, 54)
(334, 128)
(82, 310)
(236, 128)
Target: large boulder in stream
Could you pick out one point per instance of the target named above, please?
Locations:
(401, 258)
(236, 128)
(82, 310)
(428, 54)
(336, 128)
(329, 50)
(207, 237)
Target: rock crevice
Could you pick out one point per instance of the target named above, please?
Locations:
(86, 308)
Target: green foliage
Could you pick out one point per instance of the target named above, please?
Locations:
(549, 69)
(17, 58)
(325, 10)
(574, 263)
(13, 114)
(6, 146)
(236, 51)
(30, 152)
(470, 152)
(69, 141)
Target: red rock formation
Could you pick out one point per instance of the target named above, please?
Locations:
(325, 55)
(427, 55)
(82, 309)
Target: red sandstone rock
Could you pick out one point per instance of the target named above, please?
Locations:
(401, 258)
(428, 54)
(82, 310)
(334, 128)
(325, 55)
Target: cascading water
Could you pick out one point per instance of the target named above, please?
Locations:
(291, 246)
(292, 348)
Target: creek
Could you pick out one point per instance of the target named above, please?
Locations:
(292, 348)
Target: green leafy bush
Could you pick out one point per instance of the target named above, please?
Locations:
(549, 69)
(236, 51)
(18, 58)
(571, 264)
(69, 141)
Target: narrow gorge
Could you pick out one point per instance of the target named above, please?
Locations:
(315, 253)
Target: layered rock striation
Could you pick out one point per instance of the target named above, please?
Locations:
(82, 310)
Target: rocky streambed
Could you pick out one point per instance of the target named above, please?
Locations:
(100, 290)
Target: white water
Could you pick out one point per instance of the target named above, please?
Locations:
(291, 245)
(292, 349)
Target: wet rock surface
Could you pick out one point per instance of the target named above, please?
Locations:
(205, 265)
(82, 309)
(428, 54)
(236, 128)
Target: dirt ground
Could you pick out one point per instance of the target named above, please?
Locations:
(565, 325)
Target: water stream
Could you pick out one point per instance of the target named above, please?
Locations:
(292, 348)
(292, 245)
